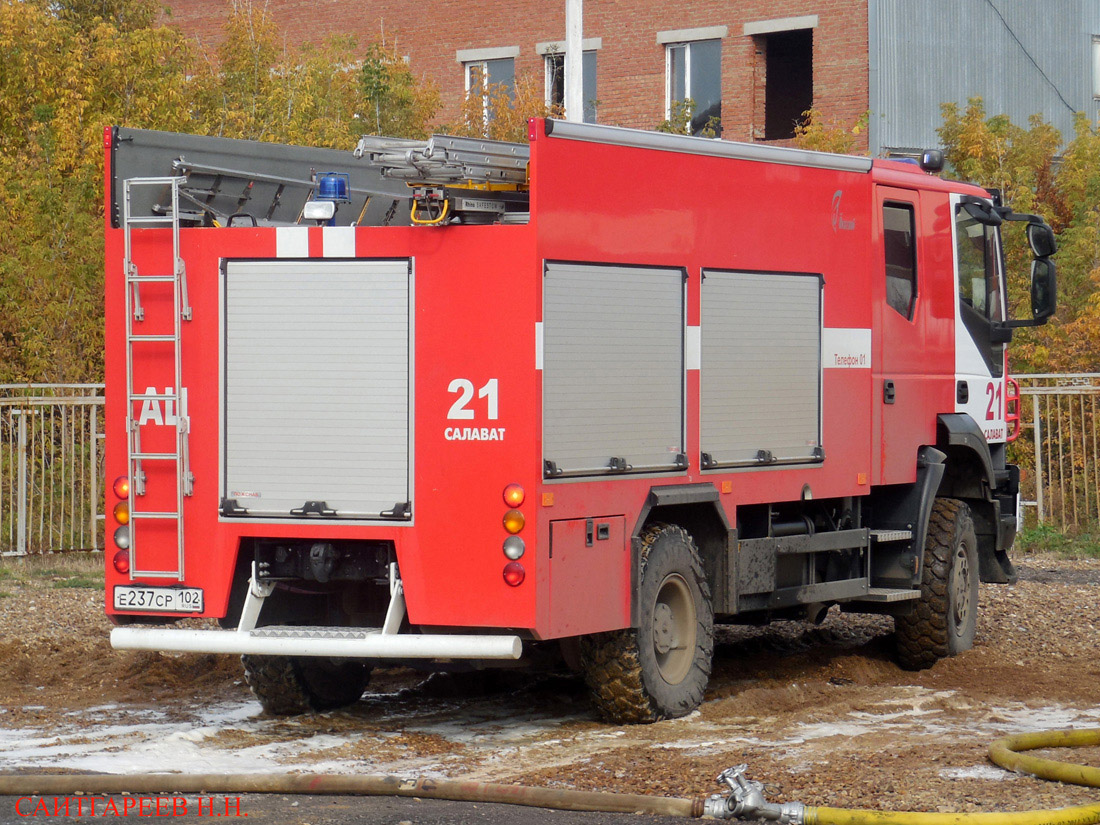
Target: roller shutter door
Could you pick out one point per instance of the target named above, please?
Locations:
(761, 368)
(317, 380)
(613, 377)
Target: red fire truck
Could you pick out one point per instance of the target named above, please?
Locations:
(457, 403)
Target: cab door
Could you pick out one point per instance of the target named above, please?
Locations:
(910, 368)
(980, 306)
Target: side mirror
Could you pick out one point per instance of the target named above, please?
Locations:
(1044, 284)
(1040, 238)
(982, 212)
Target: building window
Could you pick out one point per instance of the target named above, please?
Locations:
(901, 257)
(555, 82)
(694, 85)
(483, 75)
(1096, 66)
(490, 75)
(789, 84)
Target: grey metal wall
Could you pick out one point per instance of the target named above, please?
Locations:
(924, 53)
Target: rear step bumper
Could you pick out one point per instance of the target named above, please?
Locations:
(367, 644)
(386, 642)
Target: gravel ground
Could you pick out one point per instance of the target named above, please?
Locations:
(820, 713)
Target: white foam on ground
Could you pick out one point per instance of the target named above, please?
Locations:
(233, 737)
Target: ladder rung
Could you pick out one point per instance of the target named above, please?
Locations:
(139, 339)
(155, 515)
(151, 219)
(153, 397)
(153, 456)
(151, 279)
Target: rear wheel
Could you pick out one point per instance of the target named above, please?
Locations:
(945, 619)
(287, 686)
(660, 669)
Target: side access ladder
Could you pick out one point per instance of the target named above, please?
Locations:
(138, 340)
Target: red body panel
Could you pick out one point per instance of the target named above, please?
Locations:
(477, 299)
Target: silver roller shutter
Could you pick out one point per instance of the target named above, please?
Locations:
(761, 368)
(613, 367)
(317, 386)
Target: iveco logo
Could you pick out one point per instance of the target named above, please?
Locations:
(839, 221)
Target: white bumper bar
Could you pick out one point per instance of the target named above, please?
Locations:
(352, 645)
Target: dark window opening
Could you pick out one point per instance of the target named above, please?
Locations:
(898, 239)
(789, 90)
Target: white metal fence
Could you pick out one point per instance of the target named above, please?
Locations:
(1059, 450)
(51, 460)
(51, 467)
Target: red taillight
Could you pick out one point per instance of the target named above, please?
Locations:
(122, 487)
(514, 573)
(121, 561)
(514, 495)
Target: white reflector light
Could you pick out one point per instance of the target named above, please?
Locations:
(319, 210)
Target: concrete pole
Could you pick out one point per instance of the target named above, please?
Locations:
(574, 85)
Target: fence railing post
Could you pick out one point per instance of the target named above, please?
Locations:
(1037, 432)
(21, 487)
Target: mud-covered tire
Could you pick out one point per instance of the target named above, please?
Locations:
(287, 686)
(659, 670)
(945, 618)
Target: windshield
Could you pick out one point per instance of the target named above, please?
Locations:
(979, 284)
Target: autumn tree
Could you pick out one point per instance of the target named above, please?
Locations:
(1039, 174)
(500, 112)
(819, 133)
(70, 68)
(73, 67)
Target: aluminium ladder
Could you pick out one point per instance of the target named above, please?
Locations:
(135, 340)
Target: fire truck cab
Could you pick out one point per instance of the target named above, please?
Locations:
(456, 403)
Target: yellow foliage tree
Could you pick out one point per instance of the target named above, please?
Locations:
(821, 134)
(72, 68)
(1036, 175)
(501, 112)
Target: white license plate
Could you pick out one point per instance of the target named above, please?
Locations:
(159, 599)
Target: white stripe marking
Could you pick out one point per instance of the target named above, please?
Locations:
(845, 348)
(292, 242)
(693, 348)
(339, 242)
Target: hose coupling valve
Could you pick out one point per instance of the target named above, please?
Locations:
(746, 800)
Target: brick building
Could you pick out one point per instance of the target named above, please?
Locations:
(753, 66)
(641, 57)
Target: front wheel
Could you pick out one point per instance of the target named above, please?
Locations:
(286, 686)
(945, 619)
(660, 669)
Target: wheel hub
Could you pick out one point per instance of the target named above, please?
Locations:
(960, 589)
(673, 629)
(664, 629)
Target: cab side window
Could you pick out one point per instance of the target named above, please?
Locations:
(899, 241)
(977, 263)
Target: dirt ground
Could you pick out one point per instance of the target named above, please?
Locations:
(819, 713)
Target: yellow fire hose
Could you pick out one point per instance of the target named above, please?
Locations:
(745, 801)
(1005, 753)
